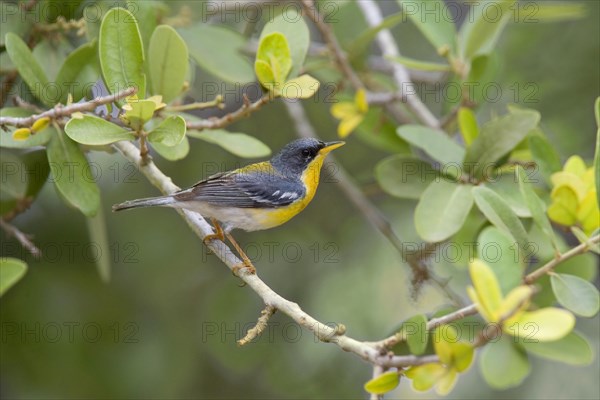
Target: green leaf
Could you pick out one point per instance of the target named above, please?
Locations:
(99, 236)
(78, 73)
(379, 132)
(544, 325)
(434, 142)
(51, 53)
(11, 272)
(536, 206)
(170, 132)
(499, 213)
(138, 112)
(18, 24)
(173, 153)
(504, 365)
(442, 210)
(556, 11)
(483, 27)
(404, 176)
(95, 131)
(420, 65)
(467, 123)
(13, 186)
(24, 173)
(273, 49)
(29, 69)
(383, 383)
(435, 26)
(240, 144)
(505, 185)
(217, 50)
(291, 24)
(498, 250)
(573, 349)
(415, 331)
(583, 238)
(38, 139)
(544, 155)
(303, 87)
(168, 63)
(71, 174)
(121, 52)
(576, 294)
(358, 47)
(497, 138)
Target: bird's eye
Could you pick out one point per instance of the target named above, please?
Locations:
(306, 153)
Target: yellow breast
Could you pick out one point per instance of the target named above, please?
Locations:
(310, 178)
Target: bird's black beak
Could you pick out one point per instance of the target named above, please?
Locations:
(331, 146)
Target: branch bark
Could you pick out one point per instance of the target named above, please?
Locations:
(325, 333)
(246, 109)
(401, 76)
(60, 111)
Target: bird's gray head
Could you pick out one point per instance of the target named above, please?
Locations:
(296, 156)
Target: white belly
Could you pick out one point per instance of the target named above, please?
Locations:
(229, 217)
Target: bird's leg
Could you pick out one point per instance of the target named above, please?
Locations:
(218, 232)
(247, 263)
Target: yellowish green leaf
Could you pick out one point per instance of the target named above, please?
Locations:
(563, 208)
(468, 125)
(447, 382)
(343, 110)
(383, 383)
(545, 325)
(347, 125)
(11, 271)
(425, 376)
(487, 287)
(302, 87)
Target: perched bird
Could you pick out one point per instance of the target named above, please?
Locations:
(255, 197)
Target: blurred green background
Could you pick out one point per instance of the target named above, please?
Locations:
(166, 324)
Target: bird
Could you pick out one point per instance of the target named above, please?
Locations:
(258, 196)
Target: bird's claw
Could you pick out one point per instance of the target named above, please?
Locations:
(243, 265)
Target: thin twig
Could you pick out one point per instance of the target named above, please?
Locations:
(60, 111)
(334, 46)
(217, 102)
(21, 237)
(245, 110)
(261, 325)
(401, 76)
(548, 267)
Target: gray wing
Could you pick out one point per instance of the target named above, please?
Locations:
(245, 190)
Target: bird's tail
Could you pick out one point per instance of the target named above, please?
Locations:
(147, 202)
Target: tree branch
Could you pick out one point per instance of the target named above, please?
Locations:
(336, 335)
(334, 46)
(23, 238)
(246, 109)
(548, 267)
(390, 49)
(60, 111)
